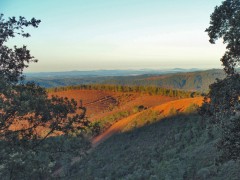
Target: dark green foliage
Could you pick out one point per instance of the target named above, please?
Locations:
(229, 144)
(225, 23)
(222, 103)
(144, 118)
(139, 108)
(13, 61)
(19, 162)
(174, 148)
(108, 121)
(151, 90)
(29, 120)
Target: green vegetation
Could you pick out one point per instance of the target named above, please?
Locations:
(145, 118)
(222, 104)
(107, 121)
(180, 147)
(190, 81)
(39, 135)
(150, 116)
(151, 90)
(192, 108)
(29, 120)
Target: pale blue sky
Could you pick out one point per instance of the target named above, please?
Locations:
(117, 34)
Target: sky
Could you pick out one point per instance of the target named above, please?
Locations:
(117, 34)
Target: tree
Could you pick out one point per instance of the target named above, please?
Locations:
(37, 133)
(225, 24)
(222, 102)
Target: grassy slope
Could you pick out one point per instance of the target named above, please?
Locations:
(98, 102)
(147, 116)
(179, 147)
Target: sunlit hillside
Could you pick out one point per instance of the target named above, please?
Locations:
(100, 103)
(120, 90)
(149, 116)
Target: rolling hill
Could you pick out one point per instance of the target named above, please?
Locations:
(193, 81)
(160, 111)
(148, 137)
(107, 107)
(190, 81)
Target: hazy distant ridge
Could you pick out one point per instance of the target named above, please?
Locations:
(114, 72)
(185, 79)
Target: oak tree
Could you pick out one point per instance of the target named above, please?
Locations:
(38, 133)
(222, 102)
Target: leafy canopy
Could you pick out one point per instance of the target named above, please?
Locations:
(222, 102)
(37, 133)
(225, 24)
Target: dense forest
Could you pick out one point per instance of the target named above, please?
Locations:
(151, 90)
(178, 147)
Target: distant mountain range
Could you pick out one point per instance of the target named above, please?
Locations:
(193, 81)
(116, 72)
(185, 79)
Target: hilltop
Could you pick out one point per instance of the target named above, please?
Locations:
(147, 116)
(100, 103)
(191, 80)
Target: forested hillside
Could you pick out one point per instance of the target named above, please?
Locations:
(178, 147)
(192, 81)
(151, 90)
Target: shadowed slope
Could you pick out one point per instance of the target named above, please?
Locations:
(163, 109)
(177, 147)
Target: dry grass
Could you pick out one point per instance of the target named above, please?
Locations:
(100, 104)
(163, 109)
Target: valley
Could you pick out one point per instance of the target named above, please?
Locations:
(125, 90)
(159, 129)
